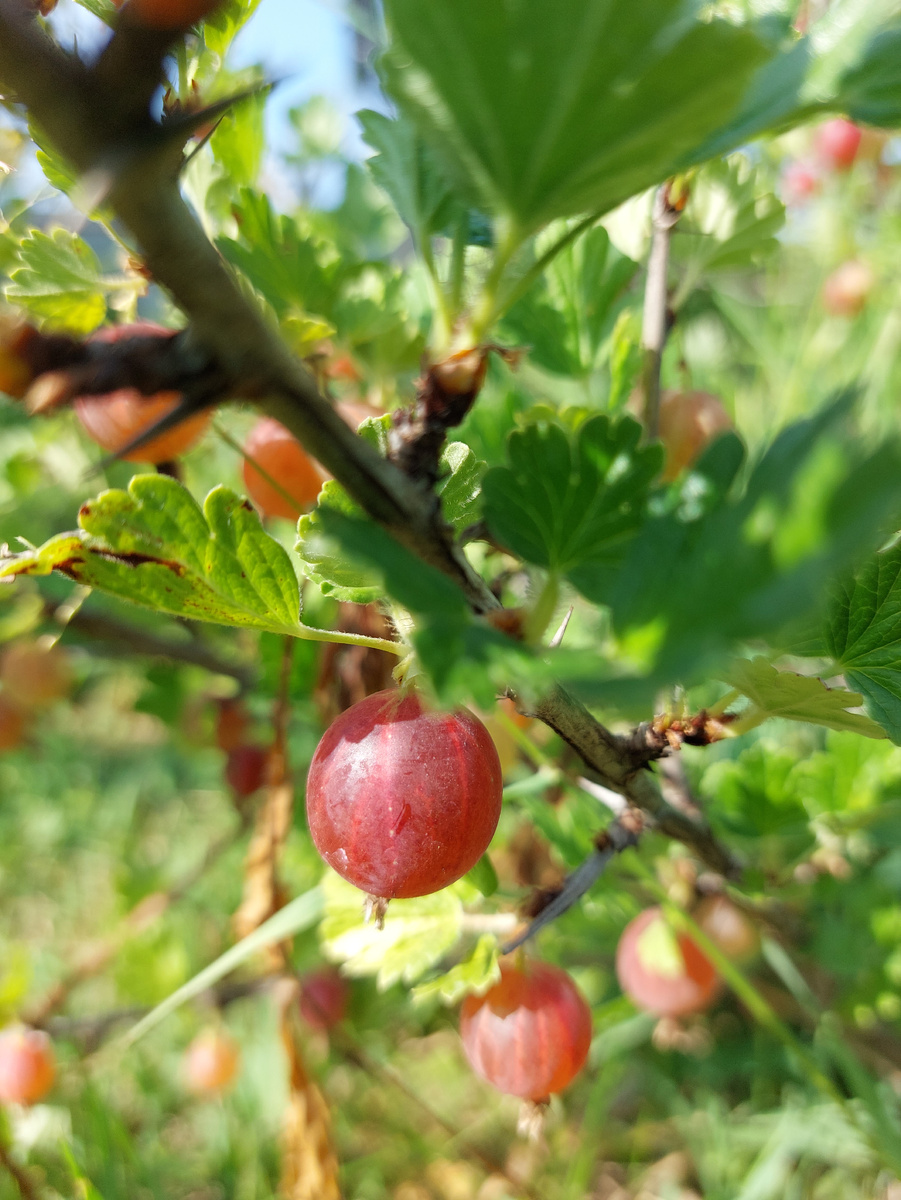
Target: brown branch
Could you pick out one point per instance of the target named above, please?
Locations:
(124, 638)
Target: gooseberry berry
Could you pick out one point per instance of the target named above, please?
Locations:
(171, 14)
(323, 998)
(245, 769)
(799, 182)
(403, 800)
(847, 289)
(12, 725)
(662, 971)
(27, 1065)
(728, 928)
(687, 422)
(211, 1062)
(528, 1035)
(114, 419)
(231, 724)
(281, 456)
(837, 143)
(33, 674)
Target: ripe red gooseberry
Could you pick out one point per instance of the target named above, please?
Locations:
(323, 998)
(211, 1062)
(662, 971)
(728, 928)
(246, 768)
(529, 1035)
(800, 181)
(847, 289)
(837, 142)
(688, 421)
(403, 800)
(34, 675)
(114, 419)
(171, 14)
(12, 725)
(27, 1065)
(281, 456)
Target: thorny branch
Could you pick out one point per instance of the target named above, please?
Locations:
(101, 117)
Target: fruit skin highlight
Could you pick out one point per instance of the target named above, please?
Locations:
(280, 455)
(27, 1065)
(114, 419)
(529, 1035)
(403, 800)
(662, 971)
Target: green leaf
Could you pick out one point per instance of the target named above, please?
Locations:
(239, 139)
(474, 974)
(567, 318)
(483, 876)
(571, 498)
(548, 118)
(58, 278)
(464, 656)
(408, 171)
(326, 563)
(153, 545)
(104, 9)
(798, 697)
(221, 27)
(731, 221)
(460, 485)
(417, 933)
(292, 269)
(864, 636)
(870, 90)
(731, 558)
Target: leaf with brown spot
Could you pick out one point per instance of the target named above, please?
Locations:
(155, 545)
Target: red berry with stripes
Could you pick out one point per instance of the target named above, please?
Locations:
(529, 1035)
(662, 971)
(403, 800)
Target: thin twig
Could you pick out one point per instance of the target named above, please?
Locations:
(619, 836)
(655, 320)
(130, 639)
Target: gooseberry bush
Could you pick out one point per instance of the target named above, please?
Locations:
(450, 680)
